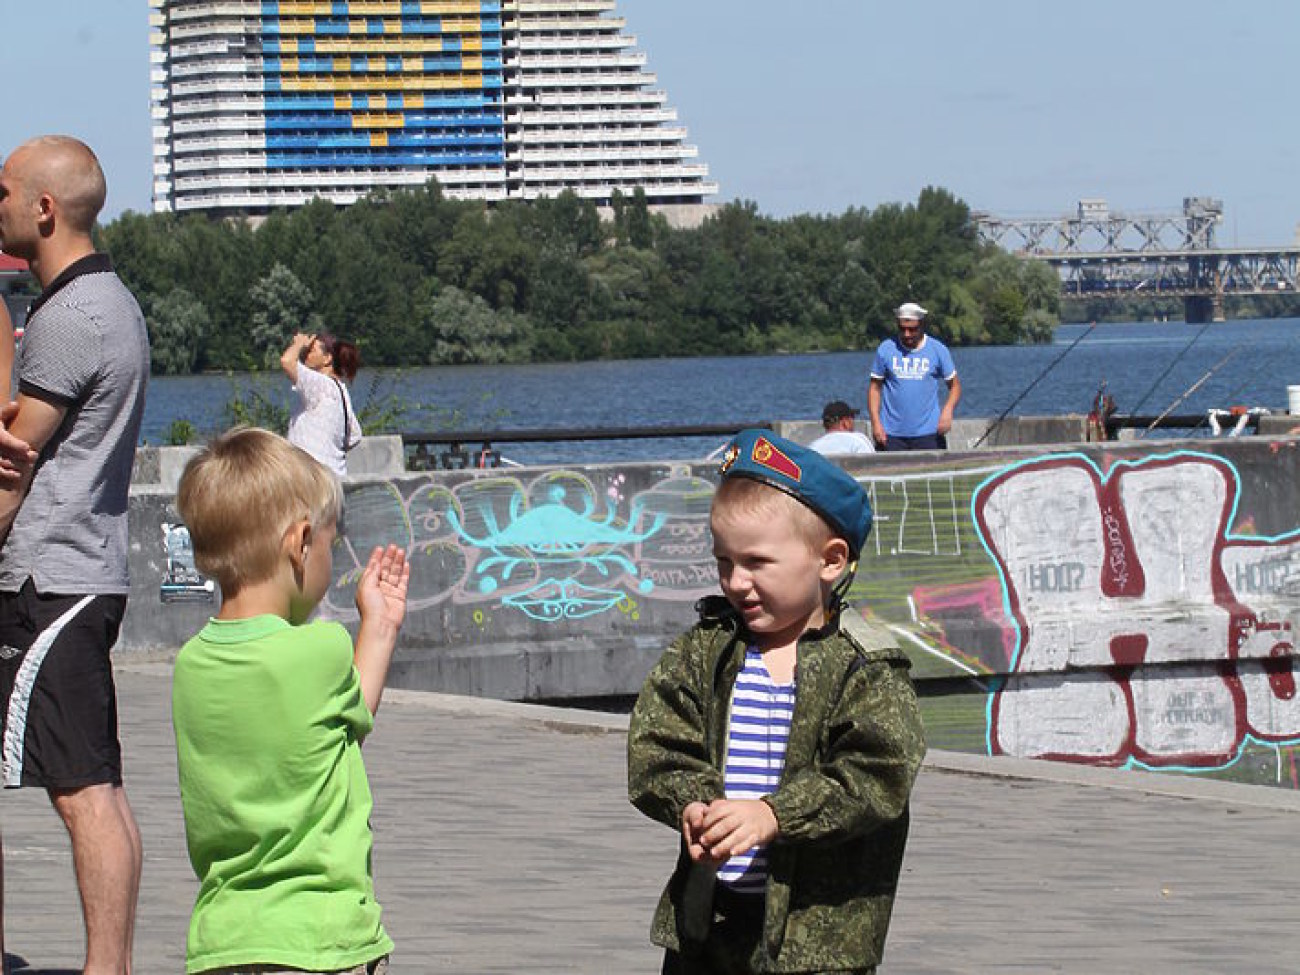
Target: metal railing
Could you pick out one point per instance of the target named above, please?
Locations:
(478, 448)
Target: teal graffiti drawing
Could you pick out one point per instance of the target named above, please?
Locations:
(558, 543)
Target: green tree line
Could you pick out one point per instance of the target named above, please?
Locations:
(415, 278)
(1145, 309)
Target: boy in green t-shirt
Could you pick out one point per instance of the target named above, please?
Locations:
(270, 712)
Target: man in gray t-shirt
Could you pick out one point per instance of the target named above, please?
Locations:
(82, 370)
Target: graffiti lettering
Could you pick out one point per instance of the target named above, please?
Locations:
(1149, 576)
(1056, 576)
(682, 577)
(1266, 576)
(1116, 557)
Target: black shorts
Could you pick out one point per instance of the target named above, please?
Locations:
(60, 707)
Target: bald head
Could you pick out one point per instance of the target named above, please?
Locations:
(66, 170)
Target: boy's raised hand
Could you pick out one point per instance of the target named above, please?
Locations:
(381, 592)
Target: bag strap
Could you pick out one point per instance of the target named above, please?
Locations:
(347, 426)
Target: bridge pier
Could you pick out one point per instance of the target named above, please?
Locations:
(1198, 309)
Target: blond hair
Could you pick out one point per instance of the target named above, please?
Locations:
(745, 495)
(241, 493)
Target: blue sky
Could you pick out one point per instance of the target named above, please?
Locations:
(1020, 107)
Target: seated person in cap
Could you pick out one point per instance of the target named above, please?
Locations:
(840, 436)
(793, 819)
(906, 377)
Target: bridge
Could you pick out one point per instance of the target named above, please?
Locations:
(1100, 253)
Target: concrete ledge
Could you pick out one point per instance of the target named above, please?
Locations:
(160, 468)
(1278, 425)
(579, 667)
(381, 456)
(1014, 431)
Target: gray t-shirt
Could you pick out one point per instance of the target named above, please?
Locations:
(85, 348)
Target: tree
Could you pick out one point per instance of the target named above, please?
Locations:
(177, 324)
(465, 329)
(562, 285)
(640, 228)
(282, 307)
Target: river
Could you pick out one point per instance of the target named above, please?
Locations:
(1147, 366)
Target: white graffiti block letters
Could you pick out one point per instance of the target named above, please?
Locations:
(1133, 579)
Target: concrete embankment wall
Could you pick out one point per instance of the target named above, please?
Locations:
(1118, 604)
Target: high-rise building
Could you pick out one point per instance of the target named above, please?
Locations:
(271, 103)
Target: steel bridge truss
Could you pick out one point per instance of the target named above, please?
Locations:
(1181, 274)
(1094, 229)
(1100, 254)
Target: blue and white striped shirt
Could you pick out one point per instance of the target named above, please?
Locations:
(761, 711)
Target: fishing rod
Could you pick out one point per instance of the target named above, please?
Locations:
(1250, 378)
(1168, 369)
(1052, 365)
(1190, 389)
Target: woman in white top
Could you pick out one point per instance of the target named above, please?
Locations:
(322, 422)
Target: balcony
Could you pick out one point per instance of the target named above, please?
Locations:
(217, 106)
(596, 99)
(661, 155)
(543, 118)
(202, 11)
(528, 8)
(654, 141)
(542, 43)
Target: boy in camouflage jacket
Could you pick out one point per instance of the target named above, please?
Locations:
(833, 829)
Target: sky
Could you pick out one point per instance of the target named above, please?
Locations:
(1018, 107)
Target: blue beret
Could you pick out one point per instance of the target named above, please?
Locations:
(806, 476)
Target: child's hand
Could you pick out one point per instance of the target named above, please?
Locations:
(692, 827)
(735, 826)
(381, 592)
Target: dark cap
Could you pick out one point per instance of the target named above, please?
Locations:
(837, 410)
(807, 477)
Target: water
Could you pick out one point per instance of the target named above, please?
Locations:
(1130, 358)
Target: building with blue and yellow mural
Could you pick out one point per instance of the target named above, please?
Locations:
(260, 104)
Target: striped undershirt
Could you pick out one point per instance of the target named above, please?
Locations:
(760, 726)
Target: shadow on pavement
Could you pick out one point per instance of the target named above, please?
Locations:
(19, 965)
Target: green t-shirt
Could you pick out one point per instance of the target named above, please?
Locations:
(269, 719)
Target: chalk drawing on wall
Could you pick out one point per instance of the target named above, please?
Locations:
(182, 582)
(1146, 634)
(560, 546)
(917, 514)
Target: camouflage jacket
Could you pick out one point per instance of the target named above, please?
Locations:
(855, 746)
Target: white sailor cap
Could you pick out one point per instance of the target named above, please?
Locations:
(910, 309)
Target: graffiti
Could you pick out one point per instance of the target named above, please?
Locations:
(916, 515)
(562, 546)
(1145, 633)
(552, 537)
(1112, 605)
(182, 582)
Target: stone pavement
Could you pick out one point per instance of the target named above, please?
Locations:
(505, 844)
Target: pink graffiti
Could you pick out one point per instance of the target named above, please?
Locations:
(964, 601)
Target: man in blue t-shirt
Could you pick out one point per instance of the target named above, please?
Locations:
(903, 397)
